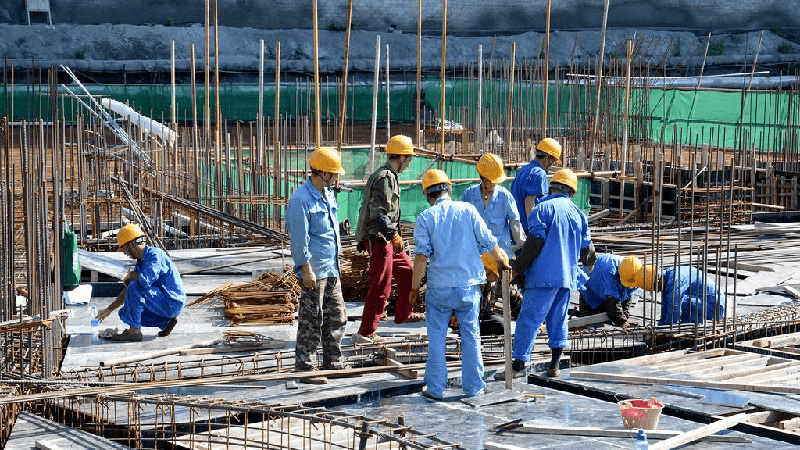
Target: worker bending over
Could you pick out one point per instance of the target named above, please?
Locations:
(315, 246)
(450, 238)
(687, 294)
(530, 184)
(495, 203)
(558, 237)
(610, 288)
(378, 231)
(153, 295)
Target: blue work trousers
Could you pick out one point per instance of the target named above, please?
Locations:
(538, 304)
(440, 303)
(146, 307)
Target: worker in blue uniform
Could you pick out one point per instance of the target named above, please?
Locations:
(450, 237)
(610, 288)
(558, 238)
(154, 295)
(687, 294)
(495, 203)
(530, 184)
(315, 246)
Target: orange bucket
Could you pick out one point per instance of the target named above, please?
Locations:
(638, 413)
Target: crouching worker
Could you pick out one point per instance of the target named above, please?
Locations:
(450, 238)
(154, 295)
(315, 246)
(558, 237)
(610, 288)
(687, 294)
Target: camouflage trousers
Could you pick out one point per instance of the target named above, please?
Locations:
(321, 315)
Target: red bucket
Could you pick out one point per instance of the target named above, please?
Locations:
(638, 413)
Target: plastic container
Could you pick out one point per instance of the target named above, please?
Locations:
(639, 413)
(94, 323)
(640, 443)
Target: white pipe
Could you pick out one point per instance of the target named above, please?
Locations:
(147, 124)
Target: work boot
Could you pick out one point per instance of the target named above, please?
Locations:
(429, 395)
(517, 370)
(337, 365)
(415, 317)
(373, 338)
(553, 372)
(170, 326)
(129, 335)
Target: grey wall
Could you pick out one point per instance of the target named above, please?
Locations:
(464, 16)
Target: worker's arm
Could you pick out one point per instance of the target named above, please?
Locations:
(131, 276)
(530, 251)
(500, 256)
(588, 257)
(309, 278)
(517, 235)
(530, 202)
(119, 301)
(420, 265)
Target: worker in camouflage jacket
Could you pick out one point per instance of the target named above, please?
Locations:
(378, 232)
(315, 247)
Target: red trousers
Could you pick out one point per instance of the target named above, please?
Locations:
(383, 264)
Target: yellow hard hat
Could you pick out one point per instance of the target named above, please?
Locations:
(645, 277)
(629, 269)
(400, 145)
(326, 159)
(434, 177)
(490, 264)
(128, 233)
(551, 147)
(567, 178)
(490, 166)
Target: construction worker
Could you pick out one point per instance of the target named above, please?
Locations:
(687, 294)
(530, 184)
(495, 203)
(610, 288)
(558, 237)
(315, 246)
(378, 231)
(451, 236)
(153, 296)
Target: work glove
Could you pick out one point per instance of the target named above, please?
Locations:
(398, 244)
(413, 297)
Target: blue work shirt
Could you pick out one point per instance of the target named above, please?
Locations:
(604, 281)
(565, 231)
(453, 237)
(314, 231)
(159, 290)
(498, 213)
(683, 297)
(530, 180)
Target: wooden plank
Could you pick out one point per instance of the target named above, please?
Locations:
(630, 379)
(792, 291)
(624, 433)
(649, 360)
(699, 358)
(789, 424)
(731, 367)
(698, 433)
(761, 374)
(777, 341)
(717, 363)
(588, 320)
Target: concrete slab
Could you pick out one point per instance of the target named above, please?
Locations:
(31, 431)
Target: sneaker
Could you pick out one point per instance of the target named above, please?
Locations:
(415, 317)
(338, 365)
(170, 326)
(366, 340)
(553, 373)
(129, 335)
(429, 395)
(517, 371)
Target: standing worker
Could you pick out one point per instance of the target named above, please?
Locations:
(314, 231)
(530, 184)
(153, 296)
(610, 288)
(687, 294)
(451, 236)
(495, 203)
(378, 231)
(558, 237)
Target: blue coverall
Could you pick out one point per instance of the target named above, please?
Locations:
(453, 236)
(565, 231)
(158, 296)
(604, 282)
(681, 300)
(499, 212)
(530, 180)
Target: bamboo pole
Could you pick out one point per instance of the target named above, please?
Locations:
(375, 82)
(510, 118)
(276, 174)
(478, 113)
(318, 111)
(443, 94)
(627, 107)
(388, 105)
(217, 112)
(172, 107)
(599, 76)
(417, 129)
(207, 104)
(546, 68)
(343, 104)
